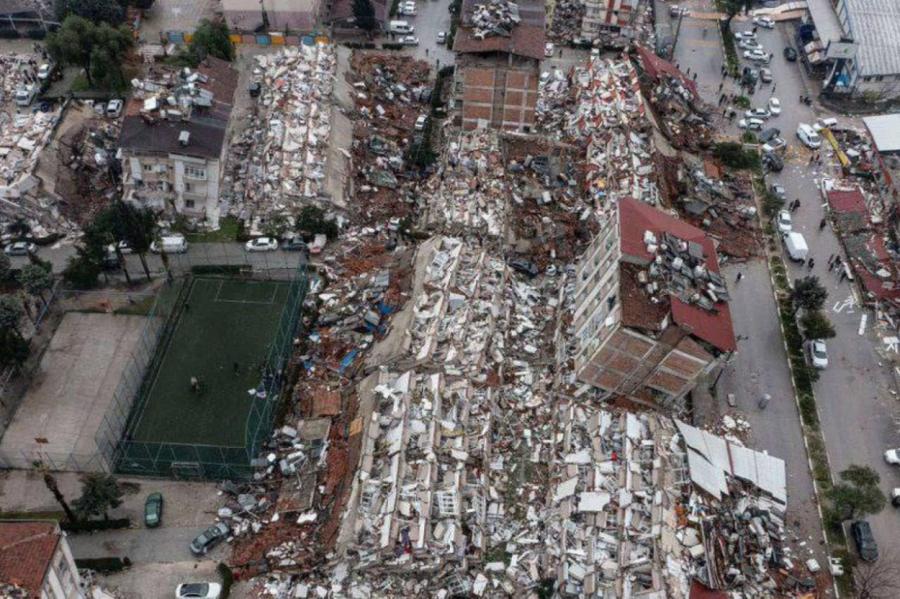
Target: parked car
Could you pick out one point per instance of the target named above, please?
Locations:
(45, 71)
(895, 497)
(751, 124)
(757, 56)
(441, 37)
(785, 223)
(790, 54)
(524, 267)
(772, 162)
(548, 49)
(170, 244)
(25, 94)
(20, 248)
(758, 113)
(749, 44)
(808, 136)
(114, 108)
(764, 22)
(865, 541)
(744, 35)
(209, 538)
(421, 122)
(774, 106)
(262, 244)
(778, 191)
(774, 145)
(409, 40)
(892, 457)
(769, 134)
(765, 75)
(198, 590)
(294, 244)
(817, 352)
(153, 509)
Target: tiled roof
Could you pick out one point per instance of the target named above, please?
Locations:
(713, 326)
(655, 66)
(847, 200)
(526, 40)
(26, 549)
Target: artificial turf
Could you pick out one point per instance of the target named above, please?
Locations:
(222, 322)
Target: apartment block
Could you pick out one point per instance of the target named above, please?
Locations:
(36, 559)
(606, 16)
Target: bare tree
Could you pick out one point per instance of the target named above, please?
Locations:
(879, 579)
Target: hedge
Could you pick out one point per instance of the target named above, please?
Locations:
(92, 525)
(103, 565)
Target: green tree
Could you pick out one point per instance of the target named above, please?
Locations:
(11, 312)
(82, 270)
(857, 494)
(364, 15)
(99, 50)
(276, 226)
(99, 493)
(5, 267)
(139, 229)
(731, 8)
(809, 294)
(96, 11)
(13, 349)
(211, 38)
(816, 325)
(312, 220)
(36, 281)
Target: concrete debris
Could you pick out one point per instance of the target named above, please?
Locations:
(277, 163)
(494, 17)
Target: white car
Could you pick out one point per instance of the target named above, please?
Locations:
(420, 122)
(408, 8)
(757, 113)
(751, 124)
(785, 224)
(548, 50)
(818, 353)
(775, 106)
(262, 244)
(748, 44)
(757, 56)
(44, 71)
(409, 40)
(744, 35)
(892, 457)
(198, 590)
(441, 37)
(764, 22)
(114, 109)
(20, 248)
(776, 144)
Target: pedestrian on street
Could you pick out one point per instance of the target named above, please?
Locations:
(831, 259)
(426, 51)
(695, 76)
(724, 112)
(811, 263)
(720, 85)
(843, 275)
(773, 87)
(822, 224)
(235, 367)
(754, 30)
(830, 266)
(738, 278)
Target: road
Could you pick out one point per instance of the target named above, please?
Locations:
(431, 18)
(198, 253)
(857, 412)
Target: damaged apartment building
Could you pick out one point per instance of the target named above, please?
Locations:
(499, 46)
(173, 139)
(651, 313)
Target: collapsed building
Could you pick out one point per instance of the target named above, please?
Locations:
(173, 139)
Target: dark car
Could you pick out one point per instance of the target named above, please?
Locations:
(294, 244)
(255, 89)
(790, 54)
(865, 542)
(153, 509)
(772, 162)
(209, 538)
(769, 134)
(778, 191)
(524, 267)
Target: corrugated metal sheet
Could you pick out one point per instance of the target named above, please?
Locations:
(885, 130)
(875, 26)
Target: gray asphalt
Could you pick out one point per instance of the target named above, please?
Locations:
(432, 17)
(857, 412)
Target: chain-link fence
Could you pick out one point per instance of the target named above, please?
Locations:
(187, 460)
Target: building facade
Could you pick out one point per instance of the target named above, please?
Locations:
(35, 557)
(279, 15)
(172, 154)
(874, 70)
(606, 17)
(650, 312)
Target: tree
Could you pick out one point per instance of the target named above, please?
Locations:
(858, 493)
(51, 485)
(82, 270)
(36, 280)
(816, 325)
(733, 155)
(5, 267)
(99, 493)
(312, 220)
(19, 228)
(96, 11)
(732, 7)
(98, 49)
(211, 38)
(809, 294)
(276, 226)
(364, 15)
(879, 579)
(139, 229)
(13, 349)
(11, 312)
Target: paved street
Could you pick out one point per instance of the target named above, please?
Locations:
(857, 412)
(432, 17)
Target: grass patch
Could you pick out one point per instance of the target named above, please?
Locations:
(229, 228)
(497, 553)
(80, 84)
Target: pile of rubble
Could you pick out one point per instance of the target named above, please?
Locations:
(566, 24)
(494, 17)
(16, 70)
(278, 162)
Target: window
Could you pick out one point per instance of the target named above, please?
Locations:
(194, 172)
(879, 78)
(188, 187)
(189, 203)
(148, 167)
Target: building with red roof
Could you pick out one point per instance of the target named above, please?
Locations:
(35, 557)
(651, 308)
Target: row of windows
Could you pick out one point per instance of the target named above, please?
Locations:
(191, 172)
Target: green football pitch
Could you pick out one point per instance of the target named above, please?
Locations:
(222, 336)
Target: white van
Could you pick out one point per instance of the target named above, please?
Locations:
(808, 136)
(796, 247)
(171, 244)
(401, 27)
(25, 94)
